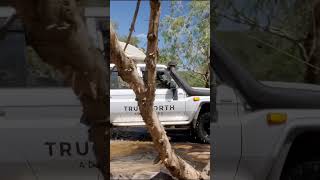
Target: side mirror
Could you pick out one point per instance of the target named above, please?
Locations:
(173, 86)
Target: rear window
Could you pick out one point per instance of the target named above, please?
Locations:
(116, 82)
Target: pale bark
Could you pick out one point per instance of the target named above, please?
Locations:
(145, 96)
(56, 30)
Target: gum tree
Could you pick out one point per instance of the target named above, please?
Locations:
(186, 34)
(145, 93)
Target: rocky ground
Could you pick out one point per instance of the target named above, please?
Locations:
(134, 157)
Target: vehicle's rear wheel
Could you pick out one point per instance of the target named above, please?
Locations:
(201, 130)
(308, 170)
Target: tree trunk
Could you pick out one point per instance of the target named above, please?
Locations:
(56, 30)
(312, 45)
(145, 94)
(207, 75)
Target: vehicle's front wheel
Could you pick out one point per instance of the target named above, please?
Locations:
(201, 130)
(308, 170)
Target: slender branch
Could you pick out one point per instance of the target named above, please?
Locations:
(303, 52)
(286, 53)
(132, 24)
(277, 32)
(270, 29)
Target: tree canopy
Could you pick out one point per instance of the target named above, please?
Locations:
(284, 32)
(186, 34)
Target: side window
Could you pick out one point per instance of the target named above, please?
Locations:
(12, 54)
(41, 74)
(117, 82)
(114, 84)
(162, 79)
(20, 66)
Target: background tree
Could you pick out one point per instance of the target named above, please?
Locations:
(186, 34)
(290, 27)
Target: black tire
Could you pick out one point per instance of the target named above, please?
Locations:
(201, 129)
(308, 170)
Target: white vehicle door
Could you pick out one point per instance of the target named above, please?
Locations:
(40, 130)
(226, 134)
(123, 104)
(124, 108)
(170, 103)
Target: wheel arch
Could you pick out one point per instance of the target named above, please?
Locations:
(203, 107)
(292, 146)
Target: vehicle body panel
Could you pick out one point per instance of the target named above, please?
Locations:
(264, 146)
(125, 112)
(42, 127)
(226, 138)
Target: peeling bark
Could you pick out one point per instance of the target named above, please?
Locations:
(56, 30)
(145, 95)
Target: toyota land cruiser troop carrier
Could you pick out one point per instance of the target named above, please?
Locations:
(177, 104)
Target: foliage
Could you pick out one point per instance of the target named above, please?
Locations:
(291, 17)
(186, 34)
(194, 80)
(279, 29)
(263, 62)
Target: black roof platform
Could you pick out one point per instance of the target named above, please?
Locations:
(258, 95)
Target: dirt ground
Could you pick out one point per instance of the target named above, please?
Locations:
(134, 157)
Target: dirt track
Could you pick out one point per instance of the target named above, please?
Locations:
(133, 155)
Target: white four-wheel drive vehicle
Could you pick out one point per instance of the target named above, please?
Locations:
(263, 130)
(176, 103)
